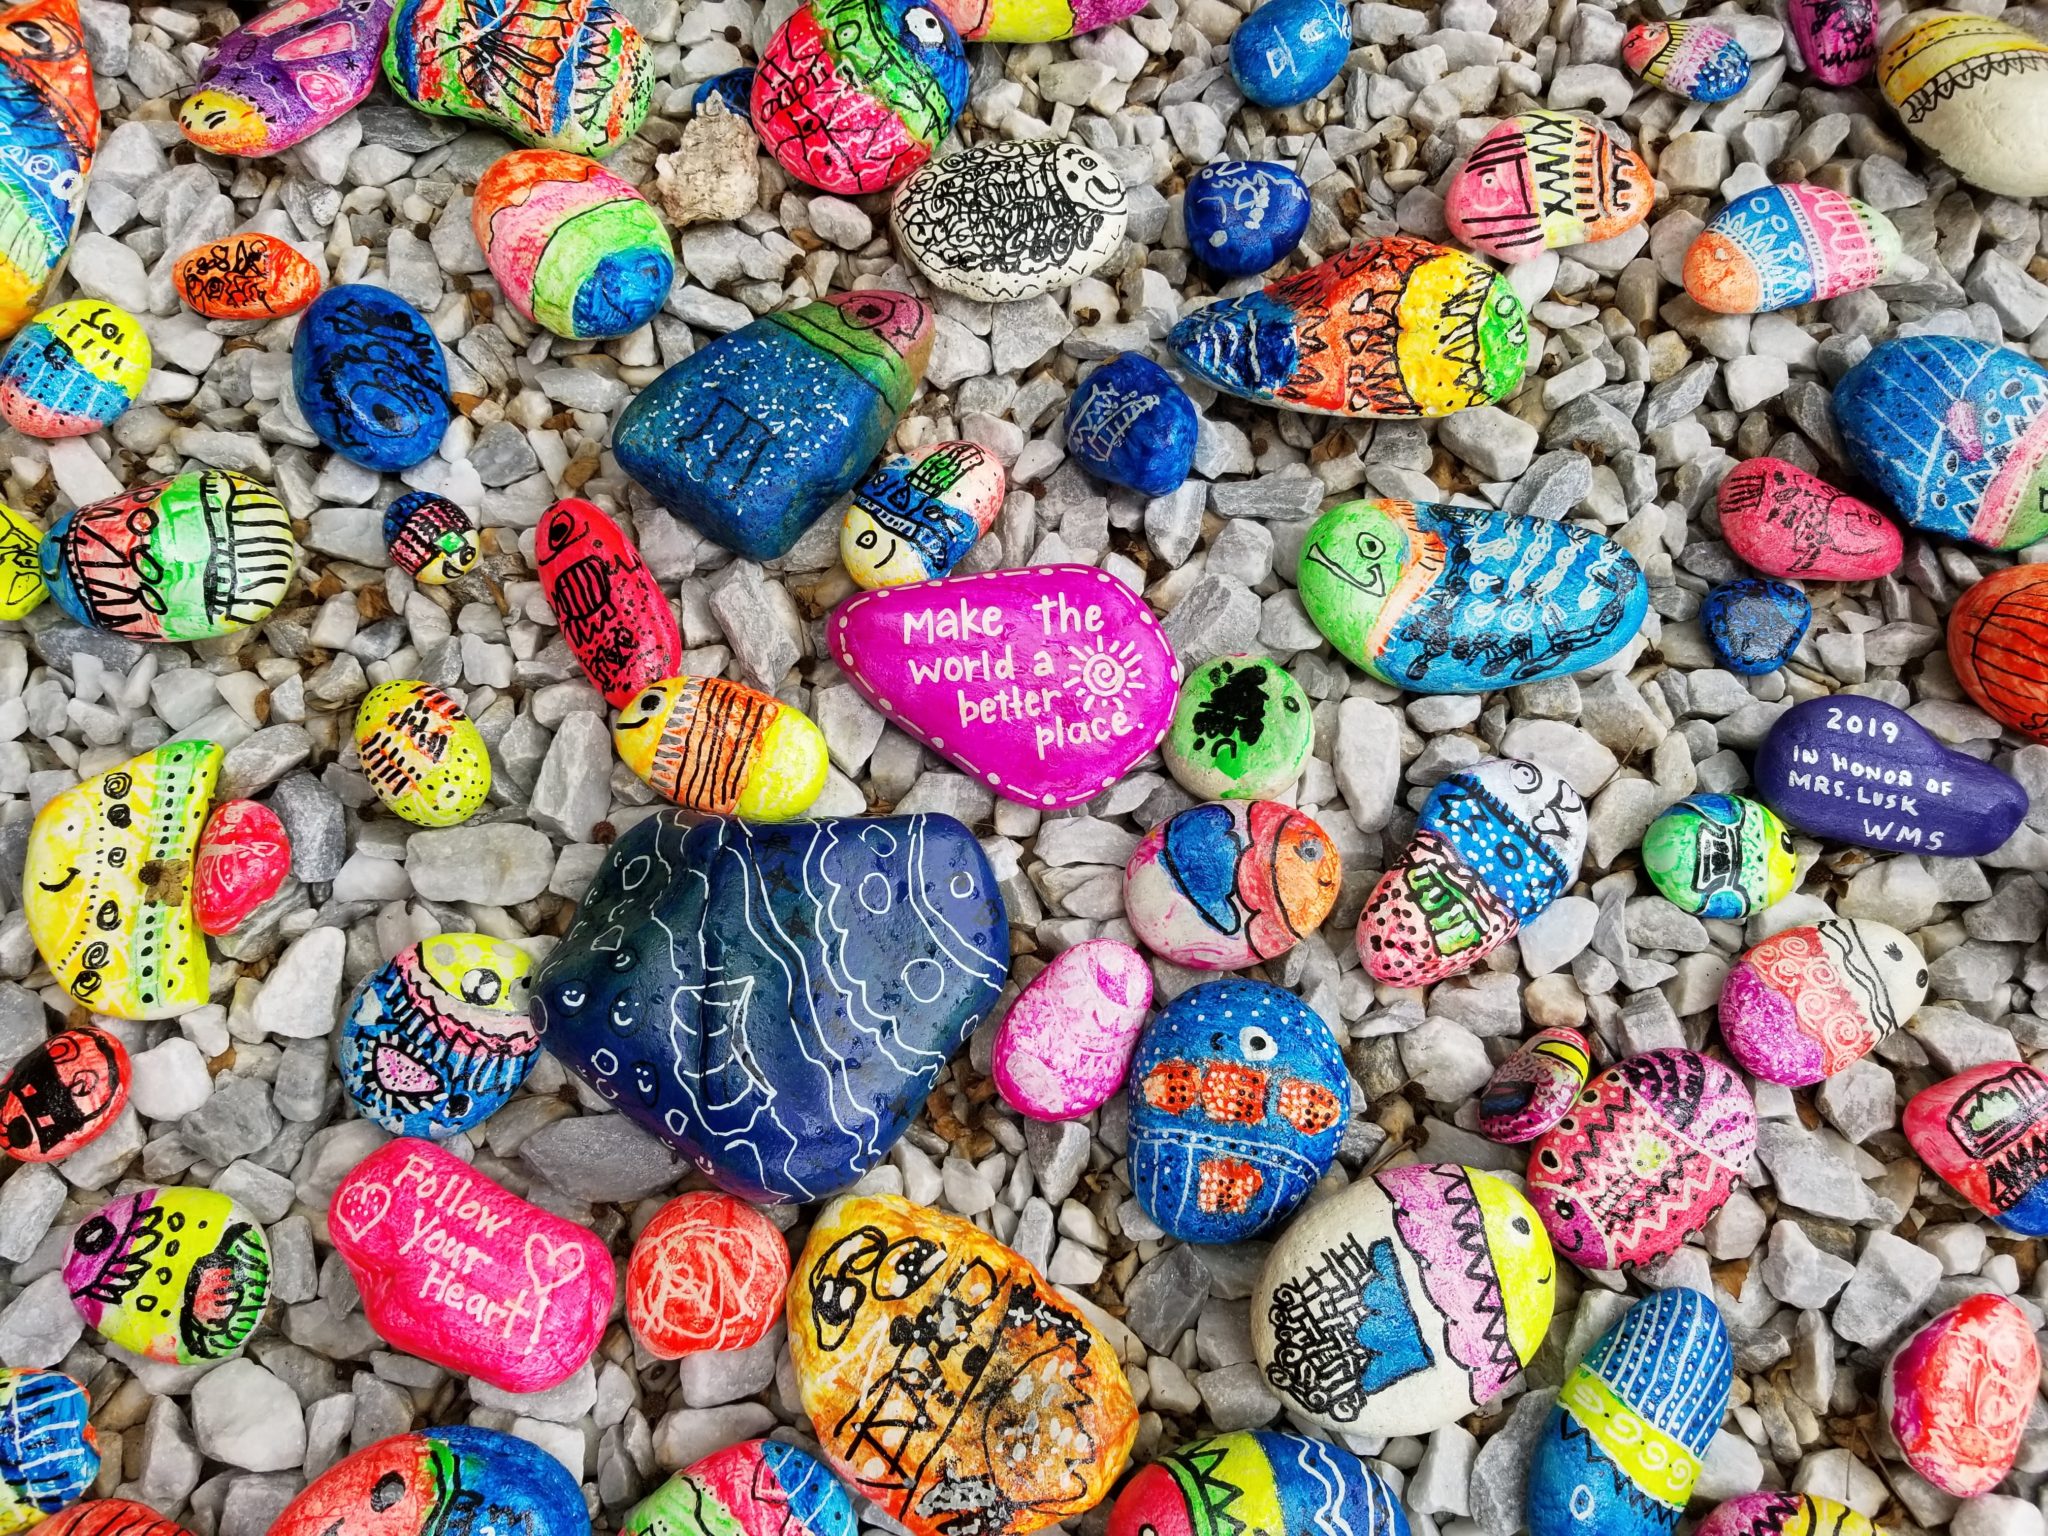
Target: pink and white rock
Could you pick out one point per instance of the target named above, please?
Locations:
(1046, 684)
(1812, 1000)
(1065, 1045)
(1789, 523)
(1221, 887)
(1530, 1091)
(244, 855)
(1837, 38)
(1958, 1394)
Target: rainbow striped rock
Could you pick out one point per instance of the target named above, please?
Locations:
(1544, 180)
(1973, 90)
(49, 129)
(1785, 245)
(1257, 1483)
(575, 249)
(1693, 59)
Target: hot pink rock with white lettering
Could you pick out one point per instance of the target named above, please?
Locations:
(1065, 1045)
(458, 1270)
(1046, 684)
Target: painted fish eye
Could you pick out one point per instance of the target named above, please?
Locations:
(1371, 546)
(925, 27)
(1256, 1044)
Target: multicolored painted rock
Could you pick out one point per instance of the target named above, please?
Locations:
(244, 855)
(49, 1453)
(250, 276)
(61, 1095)
(572, 75)
(1693, 59)
(1971, 89)
(1443, 599)
(49, 129)
(1130, 424)
(722, 748)
(1542, 180)
(1754, 624)
(430, 538)
(22, 588)
(197, 556)
(284, 75)
(73, 370)
(1243, 216)
(1288, 51)
(1998, 646)
(574, 248)
(370, 378)
(422, 755)
(1772, 1513)
(751, 437)
(1719, 856)
(1065, 1045)
(610, 607)
(447, 1478)
(1033, 21)
(1959, 1392)
(1984, 1132)
(178, 1275)
(1812, 1000)
(1272, 1485)
(755, 1488)
(916, 515)
(1647, 1153)
(708, 1272)
(1242, 730)
(1532, 1090)
(1790, 244)
(1787, 522)
(1239, 1098)
(1494, 845)
(1838, 41)
(1040, 1418)
(1223, 886)
(1011, 220)
(110, 1517)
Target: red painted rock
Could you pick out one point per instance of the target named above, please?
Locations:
(250, 276)
(1959, 1391)
(1984, 1132)
(244, 855)
(709, 1272)
(607, 601)
(1786, 522)
(111, 1517)
(62, 1094)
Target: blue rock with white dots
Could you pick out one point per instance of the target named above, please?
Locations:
(1755, 624)
(1130, 424)
(1288, 51)
(1243, 216)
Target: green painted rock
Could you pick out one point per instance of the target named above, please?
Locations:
(1720, 856)
(1241, 730)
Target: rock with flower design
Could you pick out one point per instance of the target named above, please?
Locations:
(178, 1275)
(284, 75)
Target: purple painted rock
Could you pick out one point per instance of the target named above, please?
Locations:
(285, 75)
(1065, 1045)
(1530, 1091)
(1837, 38)
(1859, 771)
(1786, 522)
(1046, 684)
(1811, 1000)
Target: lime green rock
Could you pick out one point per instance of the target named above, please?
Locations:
(1241, 730)
(1720, 856)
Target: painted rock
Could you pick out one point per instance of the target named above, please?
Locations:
(430, 538)
(751, 437)
(1954, 432)
(462, 1272)
(284, 75)
(199, 555)
(574, 248)
(1243, 216)
(438, 1040)
(1543, 180)
(107, 889)
(1531, 1091)
(1998, 646)
(1288, 51)
(609, 605)
(708, 1272)
(447, 1479)
(1859, 771)
(1242, 730)
(370, 378)
(1039, 1419)
(1755, 625)
(1441, 599)
(1130, 424)
(49, 129)
(1785, 245)
(1239, 1098)
(1046, 683)
(1693, 59)
(1621, 1451)
(835, 966)
(755, 1488)
(571, 75)
(722, 748)
(1648, 1152)
(1414, 329)
(62, 1094)
(1971, 90)
(22, 588)
(916, 515)
(1811, 1000)
(1011, 220)
(1958, 1394)
(1033, 21)
(1494, 845)
(1789, 523)
(734, 90)
(110, 1517)
(1274, 1485)
(1219, 887)
(1719, 856)
(1985, 1133)
(250, 276)
(1772, 1513)
(179, 1275)
(1838, 41)
(853, 95)
(49, 1455)
(244, 855)
(1065, 1045)
(73, 370)
(421, 753)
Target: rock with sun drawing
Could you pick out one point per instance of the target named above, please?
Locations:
(1242, 730)
(179, 1275)
(451, 1480)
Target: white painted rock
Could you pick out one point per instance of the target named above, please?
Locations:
(1974, 91)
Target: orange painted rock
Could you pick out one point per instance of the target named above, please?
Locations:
(1998, 645)
(709, 1272)
(250, 276)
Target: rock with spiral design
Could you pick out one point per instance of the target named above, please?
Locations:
(1812, 1000)
(708, 1272)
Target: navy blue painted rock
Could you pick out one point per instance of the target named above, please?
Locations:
(1242, 216)
(1622, 1449)
(735, 88)
(1287, 51)
(370, 378)
(1129, 423)
(1755, 625)
(1859, 771)
(1238, 1101)
(775, 999)
(1955, 432)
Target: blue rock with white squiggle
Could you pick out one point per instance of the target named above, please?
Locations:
(1288, 51)
(1754, 624)
(1130, 424)
(1243, 216)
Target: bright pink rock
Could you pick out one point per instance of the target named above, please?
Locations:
(1066, 1043)
(458, 1270)
(1787, 522)
(244, 855)
(1837, 38)
(1958, 1394)
(1046, 684)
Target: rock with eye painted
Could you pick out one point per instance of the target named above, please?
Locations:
(607, 601)
(916, 515)
(1810, 1001)
(1220, 887)
(1543, 180)
(450, 1480)
(62, 1094)
(723, 748)
(430, 538)
(755, 1488)
(284, 75)
(73, 370)
(180, 1275)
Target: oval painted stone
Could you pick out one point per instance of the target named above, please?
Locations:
(73, 370)
(1984, 1133)
(1838, 41)
(1288, 51)
(1719, 856)
(1621, 1451)
(422, 755)
(1495, 845)
(1065, 1045)
(755, 1488)
(250, 276)
(1424, 331)
(722, 748)
(1243, 216)
(179, 1275)
(62, 1094)
(1532, 1090)
(717, 1043)
(1973, 90)
(430, 538)
(915, 515)
(438, 1039)
(1238, 1100)
(1785, 245)
(1283, 1485)
(613, 615)
(734, 88)
(244, 855)
(370, 378)
(1693, 59)
(1787, 522)
(1650, 1149)
(753, 436)
(284, 75)
(22, 588)
(1754, 625)
(534, 1291)
(708, 1272)
(1959, 1392)
(1242, 730)
(1046, 683)
(49, 1453)
(111, 1517)
(1809, 1001)
(51, 129)
(1130, 424)
(1859, 771)
(1769, 1512)
(1543, 180)
(1223, 886)
(1998, 646)
(574, 248)
(1011, 219)
(1039, 1418)
(1441, 599)
(441, 1479)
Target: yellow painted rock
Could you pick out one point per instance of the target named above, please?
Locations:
(22, 588)
(722, 748)
(422, 754)
(1974, 90)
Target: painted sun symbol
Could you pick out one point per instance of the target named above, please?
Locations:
(1102, 673)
